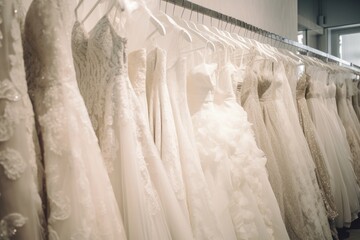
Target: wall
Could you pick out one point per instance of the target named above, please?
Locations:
(277, 16)
(340, 13)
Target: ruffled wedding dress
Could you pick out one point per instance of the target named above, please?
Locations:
(236, 207)
(316, 148)
(247, 159)
(200, 205)
(147, 202)
(81, 202)
(329, 129)
(305, 216)
(21, 215)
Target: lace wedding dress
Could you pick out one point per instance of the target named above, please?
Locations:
(21, 215)
(201, 213)
(147, 202)
(81, 203)
(305, 216)
(316, 148)
(322, 107)
(355, 99)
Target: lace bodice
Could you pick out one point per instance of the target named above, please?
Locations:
(201, 84)
(137, 71)
(341, 91)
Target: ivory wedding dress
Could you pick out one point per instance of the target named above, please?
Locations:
(351, 127)
(249, 99)
(81, 202)
(21, 213)
(330, 130)
(316, 148)
(305, 216)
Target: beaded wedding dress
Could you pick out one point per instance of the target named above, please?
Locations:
(21, 215)
(316, 148)
(81, 202)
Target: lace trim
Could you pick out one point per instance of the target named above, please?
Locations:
(12, 162)
(9, 225)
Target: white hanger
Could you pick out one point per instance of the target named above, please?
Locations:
(117, 3)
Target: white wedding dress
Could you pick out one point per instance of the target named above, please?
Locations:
(200, 205)
(21, 213)
(81, 202)
(247, 159)
(162, 124)
(147, 202)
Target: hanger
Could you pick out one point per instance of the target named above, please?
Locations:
(77, 8)
(118, 3)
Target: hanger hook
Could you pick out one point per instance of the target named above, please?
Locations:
(192, 6)
(166, 2)
(183, 6)
(174, 8)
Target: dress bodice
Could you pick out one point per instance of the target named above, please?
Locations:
(225, 84)
(79, 45)
(301, 86)
(271, 81)
(341, 90)
(201, 84)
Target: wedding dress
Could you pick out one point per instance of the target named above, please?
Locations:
(81, 203)
(202, 217)
(247, 159)
(317, 150)
(328, 126)
(249, 99)
(352, 131)
(162, 124)
(235, 205)
(305, 214)
(147, 203)
(21, 215)
(350, 93)
(355, 99)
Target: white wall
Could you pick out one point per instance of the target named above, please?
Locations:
(277, 16)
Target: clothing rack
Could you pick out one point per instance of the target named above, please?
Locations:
(302, 49)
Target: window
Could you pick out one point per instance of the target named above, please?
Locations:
(349, 47)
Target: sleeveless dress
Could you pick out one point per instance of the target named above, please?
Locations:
(81, 202)
(305, 216)
(329, 128)
(350, 93)
(162, 125)
(21, 215)
(147, 203)
(352, 131)
(247, 159)
(316, 148)
(249, 100)
(235, 205)
(200, 205)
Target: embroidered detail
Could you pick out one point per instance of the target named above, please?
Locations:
(13, 163)
(9, 225)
